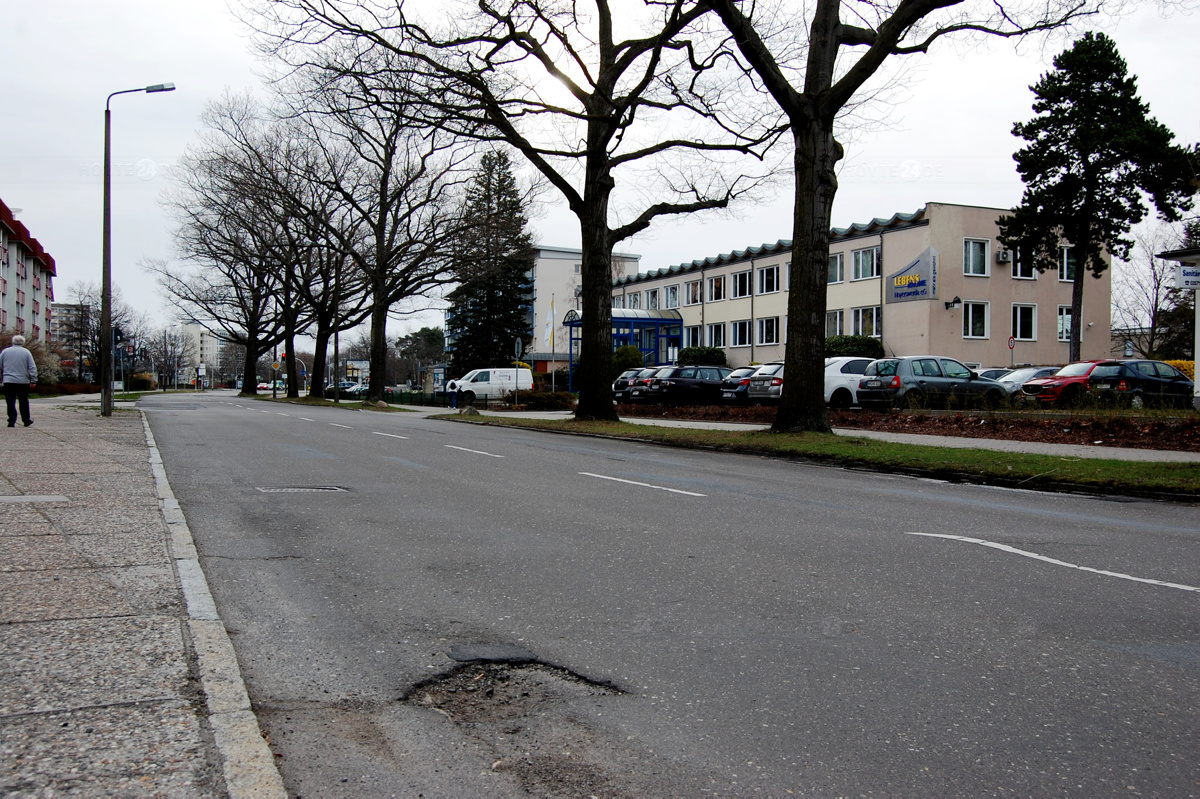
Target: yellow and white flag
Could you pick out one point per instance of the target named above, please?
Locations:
(549, 335)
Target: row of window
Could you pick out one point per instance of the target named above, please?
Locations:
(977, 321)
(866, 263)
(734, 286)
(867, 321)
(21, 267)
(768, 330)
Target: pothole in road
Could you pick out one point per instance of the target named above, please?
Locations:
(533, 718)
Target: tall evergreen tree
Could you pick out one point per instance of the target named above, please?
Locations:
(489, 309)
(1094, 152)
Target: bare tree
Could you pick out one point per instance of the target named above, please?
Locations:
(82, 331)
(848, 43)
(169, 349)
(326, 280)
(592, 98)
(322, 284)
(395, 183)
(1144, 293)
(231, 360)
(233, 234)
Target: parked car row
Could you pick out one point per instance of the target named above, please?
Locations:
(1135, 383)
(920, 381)
(707, 384)
(695, 385)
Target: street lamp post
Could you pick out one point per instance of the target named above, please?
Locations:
(106, 343)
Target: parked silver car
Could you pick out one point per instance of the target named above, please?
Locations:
(1012, 381)
(767, 383)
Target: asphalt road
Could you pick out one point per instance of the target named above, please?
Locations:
(702, 624)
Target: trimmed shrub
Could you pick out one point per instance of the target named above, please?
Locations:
(66, 388)
(627, 357)
(1187, 367)
(544, 400)
(853, 347)
(701, 356)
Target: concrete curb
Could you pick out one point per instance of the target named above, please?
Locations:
(247, 763)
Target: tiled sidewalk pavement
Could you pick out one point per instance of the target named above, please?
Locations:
(96, 693)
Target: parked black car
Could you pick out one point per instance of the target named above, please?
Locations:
(735, 386)
(620, 386)
(695, 385)
(627, 380)
(640, 388)
(925, 381)
(1138, 384)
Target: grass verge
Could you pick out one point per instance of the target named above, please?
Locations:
(1046, 472)
(354, 405)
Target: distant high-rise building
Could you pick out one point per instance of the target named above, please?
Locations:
(70, 324)
(206, 351)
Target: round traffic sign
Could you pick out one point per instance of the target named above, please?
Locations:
(1012, 342)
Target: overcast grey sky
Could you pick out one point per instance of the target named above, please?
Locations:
(949, 139)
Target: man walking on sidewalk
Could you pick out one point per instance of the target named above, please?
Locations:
(18, 372)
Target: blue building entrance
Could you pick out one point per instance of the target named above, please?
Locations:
(658, 334)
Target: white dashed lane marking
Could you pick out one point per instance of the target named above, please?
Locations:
(1014, 551)
(474, 451)
(644, 485)
(389, 435)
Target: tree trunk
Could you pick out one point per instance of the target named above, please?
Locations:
(289, 350)
(595, 341)
(250, 368)
(802, 404)
(378, 374)
(1077, 307)
(317, 375)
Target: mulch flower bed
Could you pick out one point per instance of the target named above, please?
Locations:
(1109, 430)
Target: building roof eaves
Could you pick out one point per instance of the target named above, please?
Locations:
(857, 230)
(1189, 255)
(574, 252)
(20, 234)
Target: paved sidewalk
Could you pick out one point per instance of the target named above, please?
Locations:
(118, 678)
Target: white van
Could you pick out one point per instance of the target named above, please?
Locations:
(492, 383)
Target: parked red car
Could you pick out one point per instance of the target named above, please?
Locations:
(1065, 388)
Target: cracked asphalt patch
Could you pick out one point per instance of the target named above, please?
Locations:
(528, 714)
